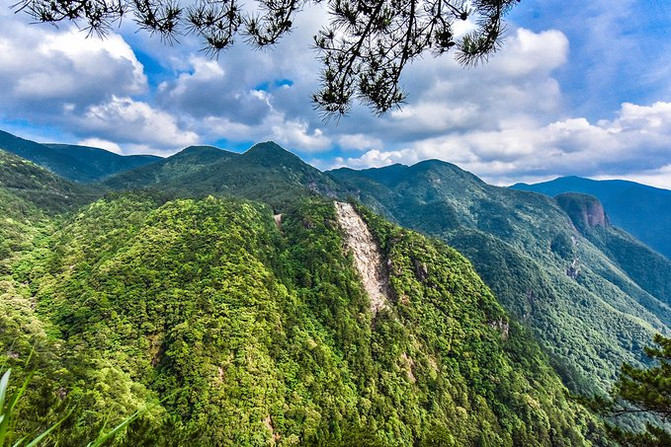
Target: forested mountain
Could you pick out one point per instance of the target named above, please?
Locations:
(78, 163)
(29, 196)
(641, 210)
(646, 267)
(265, 172)
(226, 325)
(591, 308)
(231, 301)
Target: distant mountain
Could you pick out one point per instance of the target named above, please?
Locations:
(650, 270)
(641, 210)
(39, 188)
(30, 198)
(78, 163)
(170, 170)
(265, 172)
(591, 308)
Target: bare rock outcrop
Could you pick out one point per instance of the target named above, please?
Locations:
(367, 255)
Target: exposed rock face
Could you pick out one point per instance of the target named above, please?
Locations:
(367, 255)
(585, 211)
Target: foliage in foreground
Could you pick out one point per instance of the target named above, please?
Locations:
(647, 391)
(364, 48)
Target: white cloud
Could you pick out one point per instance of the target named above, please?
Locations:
(128, 121)
(636, 141)
(377, 159)
(359, 141)
(296, 134)
(506, 120)
(528, 53)
(41, 68)
(102, 144)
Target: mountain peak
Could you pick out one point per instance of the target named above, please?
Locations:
(267, 147)
(202, 153)
(269, 153)
(585, 211)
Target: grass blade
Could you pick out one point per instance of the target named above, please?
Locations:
(101, 440)
(3, 388)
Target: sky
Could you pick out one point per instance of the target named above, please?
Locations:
(579, 88)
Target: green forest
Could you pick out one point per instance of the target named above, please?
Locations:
(225, 307)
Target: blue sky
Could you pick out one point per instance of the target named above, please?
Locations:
(579, 88)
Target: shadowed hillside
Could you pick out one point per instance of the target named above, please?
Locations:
(77, 163)
(641, 210)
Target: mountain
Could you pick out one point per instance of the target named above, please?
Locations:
(265, 172)
(224, 325)
(590, 307)
(170, 170)
(35, 187)
(241, 299)
(650, 270)
(32, 199)
(643, 211)
(78, 163)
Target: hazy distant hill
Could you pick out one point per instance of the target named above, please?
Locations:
(78, 163)
(641, 210)
(648, 268)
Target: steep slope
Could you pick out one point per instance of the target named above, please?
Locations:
(244, 334)
(264, 172)
(77, 163)
(641, 210)
(647, 268)
(33, 204)
(38, 187)
(590, 313)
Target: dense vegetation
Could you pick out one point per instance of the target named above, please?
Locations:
(265, 172)
(640, 210)
(228, 330)
(215, 322)
(644, 392)
(590, 310)
(650, 270)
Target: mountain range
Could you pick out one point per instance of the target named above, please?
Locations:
(228, 299)
(77, 163)
(641, 210)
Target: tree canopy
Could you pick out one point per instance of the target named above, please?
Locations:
(646, 390)
(363, 49)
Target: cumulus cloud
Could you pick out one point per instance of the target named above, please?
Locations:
(41, 69)
(84, 85)
(102, 144)
(297, 134)
(634, 143)
(359, 141)
(518, 117)
(130, 121)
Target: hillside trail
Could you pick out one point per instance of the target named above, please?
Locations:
(368, 257)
